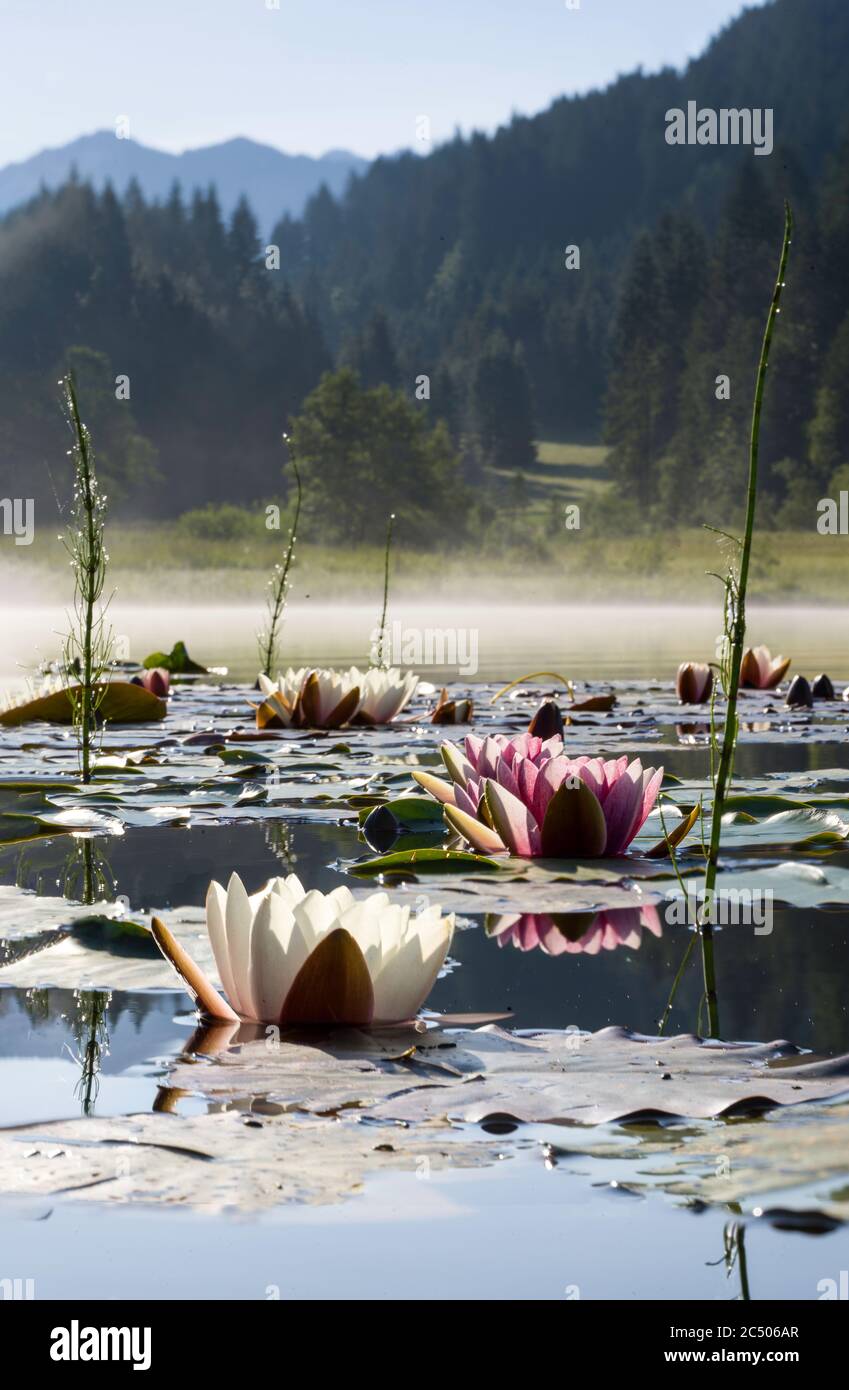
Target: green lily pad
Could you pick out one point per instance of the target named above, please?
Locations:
(446, 860)
(177, 661)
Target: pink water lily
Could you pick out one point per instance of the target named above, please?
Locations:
(157, 681)
(524, 796)
(575, 933)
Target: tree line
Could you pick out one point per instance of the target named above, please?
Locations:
(572, 276)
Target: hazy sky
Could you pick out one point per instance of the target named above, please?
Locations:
(317, 74)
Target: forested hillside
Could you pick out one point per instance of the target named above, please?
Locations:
(454, 267)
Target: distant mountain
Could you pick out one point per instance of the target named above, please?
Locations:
(273, 182)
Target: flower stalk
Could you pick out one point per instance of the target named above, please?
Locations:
(735, 628)
(88, 645)
(382, 635)
(279, 584)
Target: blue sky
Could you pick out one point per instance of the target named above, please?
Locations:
(317, 74)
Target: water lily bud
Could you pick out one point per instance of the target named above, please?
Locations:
(381, 829)
(157, 681)
(760, 670)
(452, 711)
(822, 688)
(799, 693)
(694, 683)
(547, 721)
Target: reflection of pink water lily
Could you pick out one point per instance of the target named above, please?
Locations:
(523, 795)
(760, 670)
(576, 933)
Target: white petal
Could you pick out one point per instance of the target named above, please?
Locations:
(315, 916)
(216, 911)
(274, 963)
(364, 926)
(238, 925)
(290, 889)
(341, 899)
(408, 974)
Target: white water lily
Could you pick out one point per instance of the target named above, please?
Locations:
(290, 956)
(30, 690)
(326, 699)
(383, 693)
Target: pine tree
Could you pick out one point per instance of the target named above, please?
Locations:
(501, 403)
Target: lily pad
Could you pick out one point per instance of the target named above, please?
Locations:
(423, 860)
(546, 1077)
(177, 661)
(122, 703)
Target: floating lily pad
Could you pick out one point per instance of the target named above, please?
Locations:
(122, 703)
(177, 661)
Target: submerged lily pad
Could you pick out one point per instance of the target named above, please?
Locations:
(589, 1078)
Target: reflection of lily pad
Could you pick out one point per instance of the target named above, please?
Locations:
(23, 802)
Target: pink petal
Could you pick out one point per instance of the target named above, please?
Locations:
(478, 835)
(505, 777)
(621, 808)
(650, 789)
(473, 746)
(468, 798)
(551, 777)
(512, 820)
(526, 776)
(592, 773)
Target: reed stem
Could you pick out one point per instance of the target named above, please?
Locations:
(736, 630)
(382, 628)
(279, 584)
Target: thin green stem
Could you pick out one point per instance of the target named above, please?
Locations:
(382, 628)
(280, 584)
(88, 646)
(736, 623)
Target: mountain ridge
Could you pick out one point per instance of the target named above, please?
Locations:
(275, 182)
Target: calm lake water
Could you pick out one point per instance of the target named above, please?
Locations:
(580, 1226)
(542, 1223)
(505, 641)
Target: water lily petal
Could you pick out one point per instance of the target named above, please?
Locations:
(460, 768)
(216, 913)
(238, 923)
(479, 836)
(435, 787)
(512, 820)
(273, 964)
(332, 986)
(574, 825)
